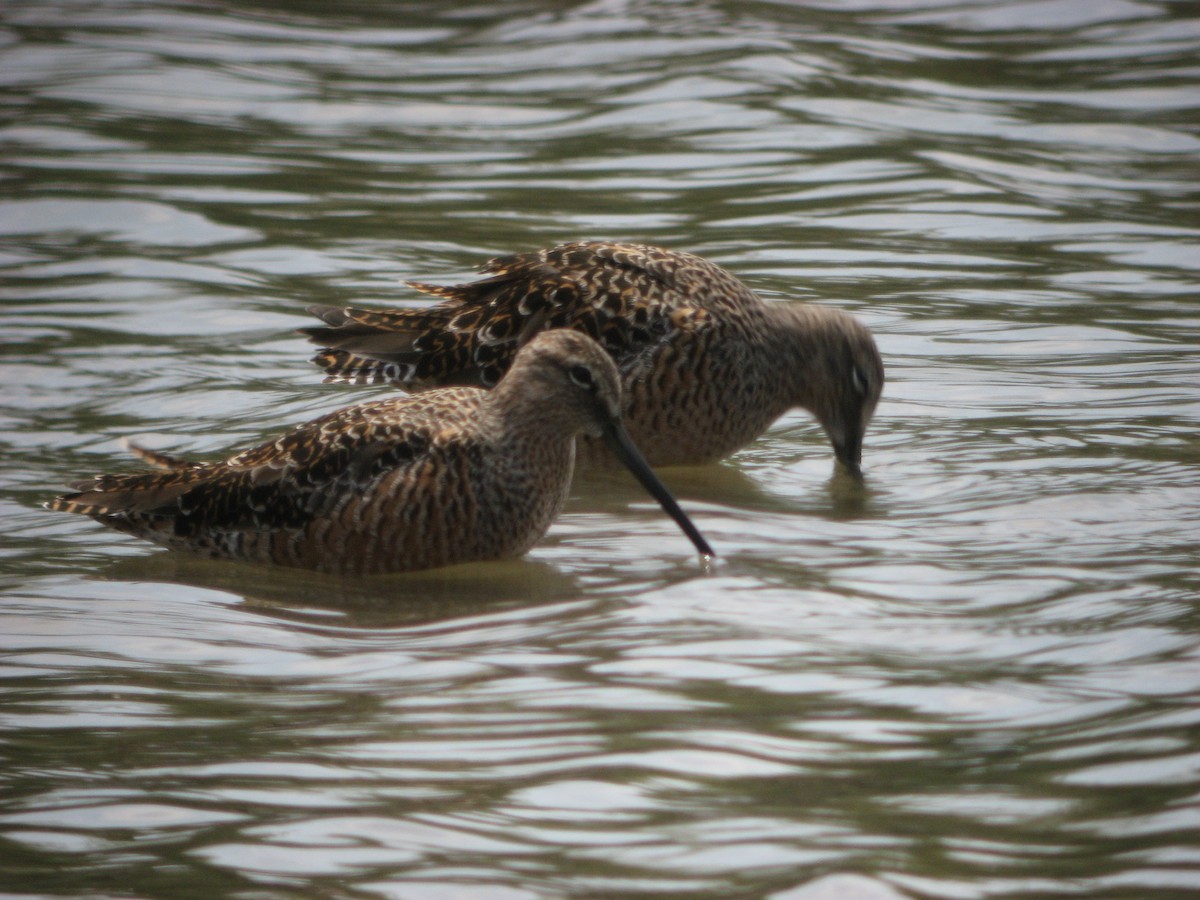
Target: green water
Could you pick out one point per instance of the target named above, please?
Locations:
(975, 677)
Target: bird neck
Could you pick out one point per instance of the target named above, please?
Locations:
(799, 338)
(521, 406)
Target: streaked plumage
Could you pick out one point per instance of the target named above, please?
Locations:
(405, 483)
(705, 364)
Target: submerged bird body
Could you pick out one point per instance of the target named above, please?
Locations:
(400, 484)
(706, 366)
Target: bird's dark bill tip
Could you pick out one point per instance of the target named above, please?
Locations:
(854, 470)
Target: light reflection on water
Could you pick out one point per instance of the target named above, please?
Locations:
(975, 675)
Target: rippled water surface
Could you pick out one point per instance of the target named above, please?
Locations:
(976, 676)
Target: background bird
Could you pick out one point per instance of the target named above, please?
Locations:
(706, 365)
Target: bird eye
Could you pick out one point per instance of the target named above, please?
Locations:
(857, 381)
(581, 375)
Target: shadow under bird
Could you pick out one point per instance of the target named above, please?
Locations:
(406, 483)
(705, 364)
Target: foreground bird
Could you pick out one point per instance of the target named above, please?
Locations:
(406, 483)
(705, 364)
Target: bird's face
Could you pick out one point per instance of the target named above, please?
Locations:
(855, 384)
(576, 378)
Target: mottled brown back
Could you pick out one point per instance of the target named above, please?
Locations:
(625, 296)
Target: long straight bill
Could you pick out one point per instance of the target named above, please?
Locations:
(622, 447)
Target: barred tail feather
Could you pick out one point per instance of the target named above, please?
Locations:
(117, 495)
(121, 495)
(160, 460)
(342, 367)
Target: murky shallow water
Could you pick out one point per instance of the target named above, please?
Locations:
(975, 677)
